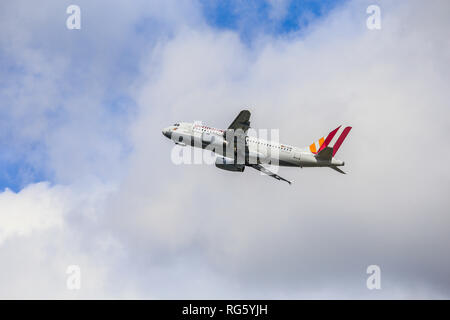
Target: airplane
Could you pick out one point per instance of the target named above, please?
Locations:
(235, 150)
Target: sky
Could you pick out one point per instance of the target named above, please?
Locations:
(86, 177)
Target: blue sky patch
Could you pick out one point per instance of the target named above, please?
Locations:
(253, 17)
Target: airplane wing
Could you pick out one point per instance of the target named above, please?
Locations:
(268, 172)
(242, 121)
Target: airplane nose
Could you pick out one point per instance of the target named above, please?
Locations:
(167, 133)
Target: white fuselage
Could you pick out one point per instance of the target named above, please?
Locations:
(257, 150)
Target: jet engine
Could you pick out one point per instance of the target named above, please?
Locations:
(229, 164)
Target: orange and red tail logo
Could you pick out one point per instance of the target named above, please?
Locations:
(334, 140)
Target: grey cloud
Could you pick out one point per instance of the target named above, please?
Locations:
(317, 238)
(198, 232)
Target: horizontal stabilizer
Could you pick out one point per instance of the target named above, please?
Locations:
(338, 170)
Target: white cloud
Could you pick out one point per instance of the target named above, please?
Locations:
(326, 229)
(43, 231)
(34, 208)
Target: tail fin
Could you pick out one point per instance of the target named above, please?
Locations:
(333, 140)
(341, 139)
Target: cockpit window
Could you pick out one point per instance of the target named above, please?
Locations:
(176, 125)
